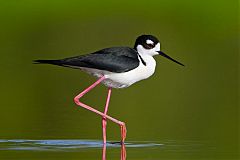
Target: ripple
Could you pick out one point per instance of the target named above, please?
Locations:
(66, 145)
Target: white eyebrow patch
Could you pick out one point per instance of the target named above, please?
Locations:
(149, 41)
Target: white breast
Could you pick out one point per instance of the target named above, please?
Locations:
(122, 80)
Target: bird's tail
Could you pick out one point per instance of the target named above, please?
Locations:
(54, 62)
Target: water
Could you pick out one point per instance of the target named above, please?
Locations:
(65, 145)
(92, 149)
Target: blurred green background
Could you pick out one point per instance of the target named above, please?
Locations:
(199, 102)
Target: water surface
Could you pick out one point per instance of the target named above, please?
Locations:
(92, 149)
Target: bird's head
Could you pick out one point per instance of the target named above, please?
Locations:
(150, 45)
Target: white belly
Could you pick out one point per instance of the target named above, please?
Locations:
(125, 79)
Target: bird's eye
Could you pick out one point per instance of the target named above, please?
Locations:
(148, 46)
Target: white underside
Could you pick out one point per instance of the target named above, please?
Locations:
(125, 79)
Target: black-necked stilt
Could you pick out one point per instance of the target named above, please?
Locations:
(116, 67)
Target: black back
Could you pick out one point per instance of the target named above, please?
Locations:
(115, 59)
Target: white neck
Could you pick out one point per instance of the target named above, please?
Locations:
(148, 59)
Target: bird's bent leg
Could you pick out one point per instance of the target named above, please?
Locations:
(104, 120)
(89, 88)
(76, 100)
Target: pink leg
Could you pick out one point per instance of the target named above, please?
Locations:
(76, 100)
(104, 120)
(123, 152)
(104, 151)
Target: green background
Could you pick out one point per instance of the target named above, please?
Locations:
(198, 102)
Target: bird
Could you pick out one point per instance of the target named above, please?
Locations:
(115, 67)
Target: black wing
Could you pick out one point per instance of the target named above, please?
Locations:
(116, 59)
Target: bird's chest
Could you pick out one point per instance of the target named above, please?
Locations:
(122, 80)
(145, 70)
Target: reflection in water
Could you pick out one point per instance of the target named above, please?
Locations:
(144, 149)
(68, 145)
(104, 152)
(65, 145)
(123, 152)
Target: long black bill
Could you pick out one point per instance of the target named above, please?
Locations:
(166, 56)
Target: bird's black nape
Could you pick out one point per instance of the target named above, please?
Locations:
(141, 40)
